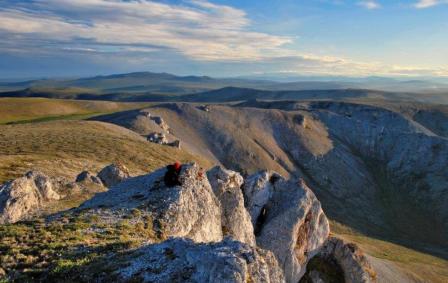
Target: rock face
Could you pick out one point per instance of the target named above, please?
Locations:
(180, 260)
(159, 121)
(258, 189)
(291, 223)
(113, 174)
(25, 195)
(190, 210)
(340, 256)
(236, 221)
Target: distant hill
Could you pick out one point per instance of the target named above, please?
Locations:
(240, 94)
(140, 82)
(156, 87)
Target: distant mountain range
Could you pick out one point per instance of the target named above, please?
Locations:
(147, 86)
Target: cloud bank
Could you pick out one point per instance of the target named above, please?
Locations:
(151, 34)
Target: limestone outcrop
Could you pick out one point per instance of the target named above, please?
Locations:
(23, 196)
(113, 174)
(203, 227)
(86, 176)
(188, 210)
(236, 221)
(288, 219)
(181, 260)
(159, 138)
(258, 189)
(342, 259)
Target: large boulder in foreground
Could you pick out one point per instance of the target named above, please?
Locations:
(113, 174)
(236, 221)
(292, 225)
(339, 261)
(181, 260)
(188, 210)
(22, 197)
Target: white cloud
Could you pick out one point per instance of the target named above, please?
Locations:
(197, 29)
(429, 3)
(370, 4)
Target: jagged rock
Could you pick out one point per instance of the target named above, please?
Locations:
(181, 260)
(86, 176)
(190, 210)
(159, 121)
(292, 226)
(159, 138)
(258, 189)
(337, 254)
(23, 196)
(113, 174)
(236, 221)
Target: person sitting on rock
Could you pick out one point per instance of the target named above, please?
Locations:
(171, 178)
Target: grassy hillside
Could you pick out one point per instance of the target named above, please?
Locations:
(15, 110)
(66, 147)
(417, 266)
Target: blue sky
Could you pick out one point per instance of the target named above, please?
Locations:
(224, 37)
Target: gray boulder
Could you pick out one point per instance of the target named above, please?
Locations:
(189, 210)
(292, 225)
(113, 174)
(258, 189)
(181, 260)
(236, 221)
(349, 260)
(22, 197)
(159, 138)
(86, 176)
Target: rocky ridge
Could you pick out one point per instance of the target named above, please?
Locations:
(25, 197)
(202, 228)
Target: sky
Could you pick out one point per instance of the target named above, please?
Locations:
(224, 38)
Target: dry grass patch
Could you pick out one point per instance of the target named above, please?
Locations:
(65, 148)
(20, 110)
